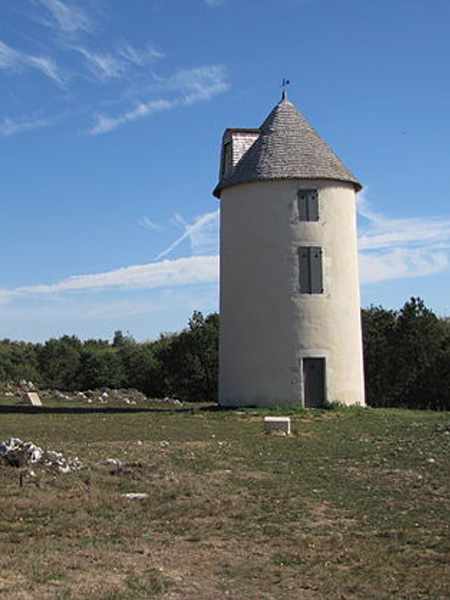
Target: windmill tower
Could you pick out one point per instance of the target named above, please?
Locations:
(289, 298)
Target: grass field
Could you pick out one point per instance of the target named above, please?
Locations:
(355, 504)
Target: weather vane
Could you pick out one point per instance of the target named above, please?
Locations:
(284, 85)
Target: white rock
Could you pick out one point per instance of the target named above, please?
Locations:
(115, 462)
(277, 424)
(135, 496)
(34, 398)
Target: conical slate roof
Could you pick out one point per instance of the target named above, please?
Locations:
(287, 148)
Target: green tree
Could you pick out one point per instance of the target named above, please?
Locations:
(102, 368)
(406, 357)
(142, 369)
(59, 362)
(378, 327)
(190, 361)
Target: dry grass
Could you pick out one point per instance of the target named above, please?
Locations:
(348, 507)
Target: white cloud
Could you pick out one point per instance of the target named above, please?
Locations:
(203, 234)
(400, 264)
(66, 16)
(139, 57)
(382, 232)
(214, 3)
(106, 124)
(11, 127)
(108, 65)
(191, 86)
(200, 83)
(102, 66)
(147, 223)
(401, 248)
(5, 296)
(11, 59)
(163, 274)
(47, 66)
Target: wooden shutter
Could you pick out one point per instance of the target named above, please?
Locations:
(315, 261)
(310, 270)
(304, 271)
(308, 205)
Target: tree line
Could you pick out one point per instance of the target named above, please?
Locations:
(181, 365)
(406, 360)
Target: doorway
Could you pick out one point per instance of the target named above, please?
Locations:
(314, 382)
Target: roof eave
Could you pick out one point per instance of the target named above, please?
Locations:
(222, 185)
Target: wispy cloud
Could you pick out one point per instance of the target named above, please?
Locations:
(200, 83)
(147, 223)
(14, 126)
(102, 65)
(190, 86)
(66, 17)
(401, 264)
(382, 232)
(139, 57)
(47, 66)
(11, 59)
(119, 63)
(163, 274)
(401, 248)
(214, 3)
(202, 234)
(105, 124)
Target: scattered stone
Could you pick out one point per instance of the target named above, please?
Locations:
(166, 400)
(17, 453)
(277, 425)
(443, 428)
(130, 397)
(115, 462)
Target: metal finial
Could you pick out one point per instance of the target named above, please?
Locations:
(284, 85)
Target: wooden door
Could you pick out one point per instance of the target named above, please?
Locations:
(314, 382)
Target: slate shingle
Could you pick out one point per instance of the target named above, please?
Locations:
(287, 148)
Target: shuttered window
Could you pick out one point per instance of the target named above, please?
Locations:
(308, 205)
(310, 270)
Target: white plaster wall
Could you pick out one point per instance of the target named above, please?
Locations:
(267, 326)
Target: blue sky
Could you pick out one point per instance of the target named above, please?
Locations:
(111, 115)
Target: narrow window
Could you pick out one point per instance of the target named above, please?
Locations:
(308, 205)
(310, 270)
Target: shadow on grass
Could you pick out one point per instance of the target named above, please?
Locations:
(83, 410)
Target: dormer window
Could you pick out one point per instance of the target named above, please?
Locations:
(227, 159)
(308, 205)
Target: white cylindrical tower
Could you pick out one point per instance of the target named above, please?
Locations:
(289, 299)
